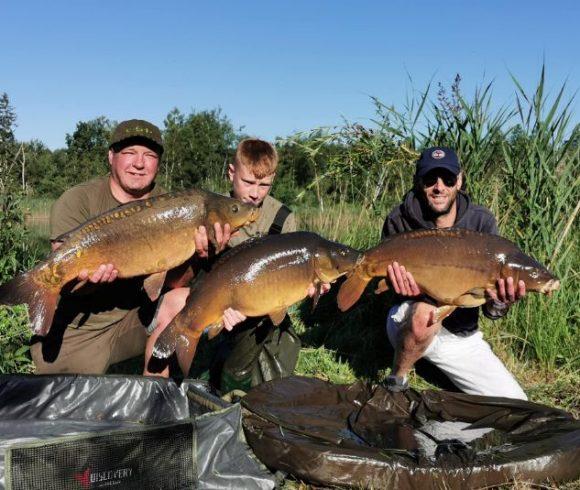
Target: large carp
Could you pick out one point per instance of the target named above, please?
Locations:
(144, 237)
(453, 266)
(259, 277)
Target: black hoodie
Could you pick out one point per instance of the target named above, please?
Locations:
(410, 215)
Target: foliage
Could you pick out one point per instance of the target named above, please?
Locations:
(303, 161)
(15, 253)
(50, 173)
(521, 163)
(197, 148)
(8, 145)
(14, 337)
(87, 149)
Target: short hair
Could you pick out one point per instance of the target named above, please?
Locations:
(258, 156)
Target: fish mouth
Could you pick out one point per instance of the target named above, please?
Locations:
(255, 214)
(550, 286)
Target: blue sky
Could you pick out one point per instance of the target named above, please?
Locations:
(273, 67)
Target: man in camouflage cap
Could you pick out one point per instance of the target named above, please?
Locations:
(105, 321)
(135, 131)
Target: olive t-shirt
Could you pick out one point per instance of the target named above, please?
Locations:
(100, 305)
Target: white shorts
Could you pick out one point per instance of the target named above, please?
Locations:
(468, 361)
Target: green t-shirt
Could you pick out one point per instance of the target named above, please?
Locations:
(104, 304)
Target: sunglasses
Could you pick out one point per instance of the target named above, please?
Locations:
(430, 179)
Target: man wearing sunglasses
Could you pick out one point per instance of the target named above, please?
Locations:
(456, 345)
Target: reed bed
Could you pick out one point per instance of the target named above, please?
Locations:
(521, 162)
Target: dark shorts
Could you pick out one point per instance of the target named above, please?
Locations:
(80, 351)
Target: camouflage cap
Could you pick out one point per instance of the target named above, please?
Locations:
(137, 129)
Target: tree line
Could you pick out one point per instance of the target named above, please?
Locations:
(198, 147)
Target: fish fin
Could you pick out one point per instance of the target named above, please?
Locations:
(443, 312)
(316, 296)
(78, 285)
(41, 301)
(382, 286)
(351, 290)
(185, 350)
(214, 329)
(474, 297)
(277, 316)
(153, 284)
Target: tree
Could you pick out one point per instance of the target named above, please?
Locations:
(197, 148)
(87, 150)
(7, 142)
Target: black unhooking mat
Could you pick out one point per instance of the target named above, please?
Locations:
(363, 436)
(126, 432)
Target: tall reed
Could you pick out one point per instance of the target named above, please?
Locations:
(522, 162)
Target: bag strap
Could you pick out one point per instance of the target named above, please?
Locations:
(279, 220)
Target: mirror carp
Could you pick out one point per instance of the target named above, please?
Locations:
(264, 276)
(453, 266)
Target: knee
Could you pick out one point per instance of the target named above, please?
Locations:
(419, 332)
(171, 304)
(420, 325)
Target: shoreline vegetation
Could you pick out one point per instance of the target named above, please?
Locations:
(521, 161)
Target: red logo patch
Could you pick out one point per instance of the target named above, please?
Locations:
(438, 154)
(84, 478)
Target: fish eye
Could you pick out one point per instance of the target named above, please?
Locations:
(235, 208)
(343, 253)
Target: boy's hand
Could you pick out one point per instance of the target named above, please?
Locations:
(104, 273)
(232, 317)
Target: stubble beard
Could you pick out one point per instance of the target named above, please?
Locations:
(437, 213)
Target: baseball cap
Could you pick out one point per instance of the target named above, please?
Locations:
(437, 157)
(135, 131)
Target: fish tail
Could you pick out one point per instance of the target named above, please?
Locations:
(41, 301)
(166, 343)
(180, 341)
(352, 289)
(185, 350)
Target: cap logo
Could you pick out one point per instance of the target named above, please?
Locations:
(438, 154)
(137, 129)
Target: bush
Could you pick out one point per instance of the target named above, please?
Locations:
(16, 254)
(15, 335)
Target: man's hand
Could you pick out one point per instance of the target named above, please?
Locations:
(222, 237)
(507, 292)
(105, 273)
(402, 280)
(232, 317)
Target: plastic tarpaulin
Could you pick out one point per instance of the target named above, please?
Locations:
(364, 436)
(126, 431)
